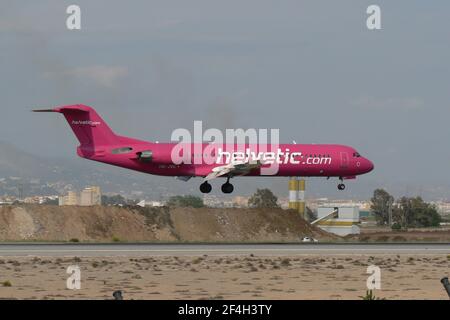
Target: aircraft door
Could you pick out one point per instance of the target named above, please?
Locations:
(344, 160)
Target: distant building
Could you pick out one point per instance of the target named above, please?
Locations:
(442, 207)
(314, 204)
(340, 220)
(32, 200)
(145, 203)
(141, 204)
(6, 200)
(212, 200)
(240, 202)
(90, 196)
(39, 199)
(156, 204)
(71, 199)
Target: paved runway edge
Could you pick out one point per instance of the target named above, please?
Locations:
(27, 249)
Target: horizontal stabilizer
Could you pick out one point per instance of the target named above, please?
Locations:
(43, 110)
(88, 126)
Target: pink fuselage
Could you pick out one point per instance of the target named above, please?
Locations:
(99, 143)
(315, 160)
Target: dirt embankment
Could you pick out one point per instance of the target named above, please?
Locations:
(424, 235)
(108, 223)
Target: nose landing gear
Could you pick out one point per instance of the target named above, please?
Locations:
(341, 186)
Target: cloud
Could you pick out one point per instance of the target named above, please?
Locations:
(168, 23)
(221, 114)
(398, 103)
(104, 76)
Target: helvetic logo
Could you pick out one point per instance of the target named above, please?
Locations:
(220, 148)
(86, 122)
(279, 157)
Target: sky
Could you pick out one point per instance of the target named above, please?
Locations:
(309, 68)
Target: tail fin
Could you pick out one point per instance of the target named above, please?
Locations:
(88, 126)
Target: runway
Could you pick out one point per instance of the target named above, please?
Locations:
(140, 249)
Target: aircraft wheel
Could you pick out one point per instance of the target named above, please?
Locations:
(205, 187)
(227, 188)
(341, 186)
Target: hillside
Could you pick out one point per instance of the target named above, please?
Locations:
(37, 175)
(47, 175)
(53, 223)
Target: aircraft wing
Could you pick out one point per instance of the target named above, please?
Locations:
(233, 169)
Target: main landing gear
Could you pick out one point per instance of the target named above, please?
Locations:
(205, 187)
(227, 187)
(341, 186)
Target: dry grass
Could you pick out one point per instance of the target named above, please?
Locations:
(226, 277)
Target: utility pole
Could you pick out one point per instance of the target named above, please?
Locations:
(390, 213)
(20, 189)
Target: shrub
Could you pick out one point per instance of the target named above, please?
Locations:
(197, 260)
(263, 198)
(396, 226)
(186, 201)
(383, 238)
(370, 296)
(286, 262)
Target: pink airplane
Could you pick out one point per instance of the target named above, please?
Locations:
(99, 143)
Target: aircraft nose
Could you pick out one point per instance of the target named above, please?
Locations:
(368, 165)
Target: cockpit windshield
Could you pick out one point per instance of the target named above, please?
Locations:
(356, 155)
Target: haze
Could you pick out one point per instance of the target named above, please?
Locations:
(310, 68)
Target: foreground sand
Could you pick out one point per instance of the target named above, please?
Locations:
(225, 277)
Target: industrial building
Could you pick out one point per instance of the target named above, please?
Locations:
(341, 219)
(338, 220)
(297, 195)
